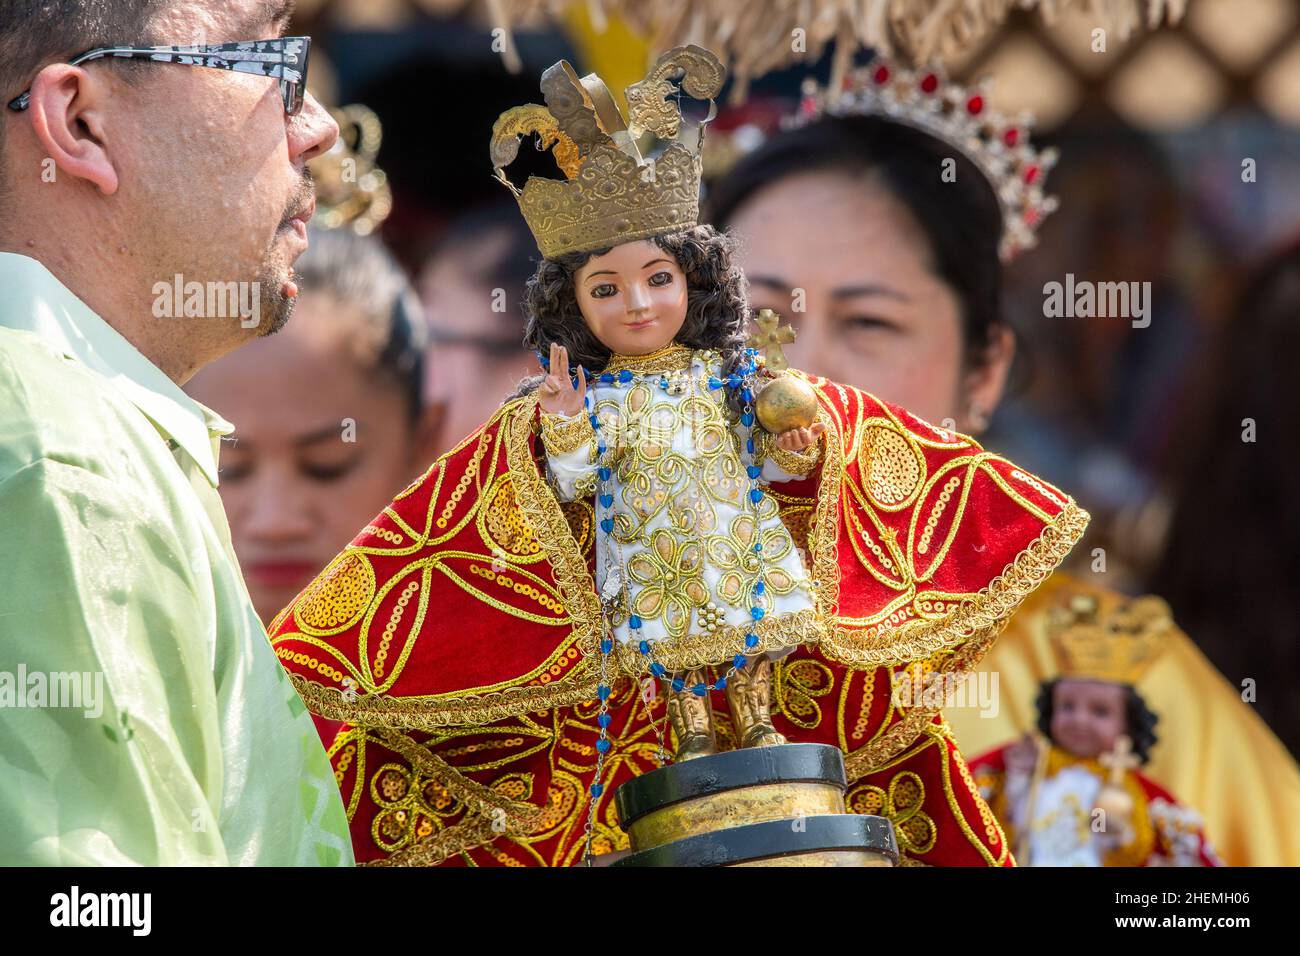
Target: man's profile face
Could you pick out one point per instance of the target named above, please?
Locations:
(212, 172)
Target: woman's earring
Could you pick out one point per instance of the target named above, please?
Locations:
(979, 419)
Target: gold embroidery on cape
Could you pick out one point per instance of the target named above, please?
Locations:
(582, 522)
(902, 804)
(797, 685)
(502, 526)
(891, 464)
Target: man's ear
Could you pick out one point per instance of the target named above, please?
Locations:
(67, 115)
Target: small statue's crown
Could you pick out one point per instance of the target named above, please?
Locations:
(998, 145)
(626, 179)
(1116, 646)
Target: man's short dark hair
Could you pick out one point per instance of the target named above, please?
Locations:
(34, 33)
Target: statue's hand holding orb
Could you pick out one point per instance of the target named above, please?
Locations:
(797, 439)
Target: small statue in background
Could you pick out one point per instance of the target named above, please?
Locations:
(1070, 794)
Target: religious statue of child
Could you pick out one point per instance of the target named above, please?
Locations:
(665, 434)
(666, 505)
(1071, 795)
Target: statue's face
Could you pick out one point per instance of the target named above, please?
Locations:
(1088, 716)
(633, 298)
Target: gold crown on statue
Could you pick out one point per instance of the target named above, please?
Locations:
(625, 179)
(959, 116)
(1116, 646)
(351, 191)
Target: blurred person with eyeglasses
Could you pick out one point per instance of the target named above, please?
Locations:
(471, 286)
(153, 201)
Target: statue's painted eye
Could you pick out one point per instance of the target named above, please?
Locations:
(661, 278)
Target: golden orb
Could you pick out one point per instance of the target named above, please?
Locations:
(1116, 803)
(786, 402)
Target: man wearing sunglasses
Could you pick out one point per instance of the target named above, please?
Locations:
(148, 149)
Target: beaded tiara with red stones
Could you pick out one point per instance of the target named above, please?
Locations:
(998, 145)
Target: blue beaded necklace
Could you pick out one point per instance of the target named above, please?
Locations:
(737, 381)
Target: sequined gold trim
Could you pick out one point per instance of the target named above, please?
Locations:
(724, 643)
(563, 434)
(546, 516)
(380, 710)
(670, 358)
(826, 517)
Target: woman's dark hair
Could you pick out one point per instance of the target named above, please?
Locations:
(360, 272)
(961, 218)
(1141, 720)
(716, 304)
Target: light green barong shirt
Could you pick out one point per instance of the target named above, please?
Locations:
(144, 717)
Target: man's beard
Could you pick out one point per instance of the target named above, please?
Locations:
(276, 306)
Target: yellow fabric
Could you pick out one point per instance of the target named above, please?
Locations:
(1214, 754)
(617, 54)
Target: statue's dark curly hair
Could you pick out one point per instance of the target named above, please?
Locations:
(716, 304)
(1141, 719)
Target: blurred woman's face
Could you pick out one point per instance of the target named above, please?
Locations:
(845, 263)
(320, 446)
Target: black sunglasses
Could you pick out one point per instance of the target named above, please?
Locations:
(284, 58)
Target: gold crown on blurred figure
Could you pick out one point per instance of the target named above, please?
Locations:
(625, 179)
(351, 191)
(959, 116)
(1116, 645)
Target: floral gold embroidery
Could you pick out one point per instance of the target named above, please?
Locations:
(672, 584)
(798, 685)
(902, 804)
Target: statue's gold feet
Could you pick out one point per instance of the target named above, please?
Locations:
(763, 735)
(691, 717)
(696, 746)
(749, 693)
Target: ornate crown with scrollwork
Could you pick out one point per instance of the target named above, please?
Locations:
(625, 179)
(1115, 645)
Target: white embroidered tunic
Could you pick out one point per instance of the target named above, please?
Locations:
(680, 550)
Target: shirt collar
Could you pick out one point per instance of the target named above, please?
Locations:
(35, 301)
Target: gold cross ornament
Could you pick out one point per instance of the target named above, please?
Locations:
(1120, 760)
(769, 338)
